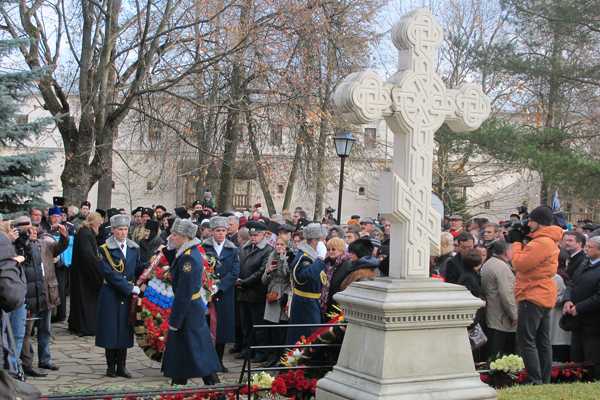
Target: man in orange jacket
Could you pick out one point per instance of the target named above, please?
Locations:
(535, 264)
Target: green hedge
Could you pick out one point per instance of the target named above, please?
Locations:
(564, 391)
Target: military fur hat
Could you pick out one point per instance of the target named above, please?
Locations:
(181, 212)
(185, 227)
(219, 222)
(119, 220)
(312, 231)
(256, 226)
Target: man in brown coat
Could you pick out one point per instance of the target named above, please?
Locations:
(498, 285)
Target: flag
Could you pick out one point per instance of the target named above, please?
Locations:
(555, 202)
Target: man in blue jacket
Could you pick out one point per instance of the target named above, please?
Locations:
(190, 352)
(226, 257)
(119, 265)
(307, 279)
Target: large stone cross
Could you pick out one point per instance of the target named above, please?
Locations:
(415, 103)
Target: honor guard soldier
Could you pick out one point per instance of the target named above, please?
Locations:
(189, 352)
(228, 270)
(308, 277)
(119, 266)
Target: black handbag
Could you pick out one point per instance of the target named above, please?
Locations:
(477, 337)
(568, 323)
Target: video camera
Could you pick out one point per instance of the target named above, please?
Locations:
(519, 225)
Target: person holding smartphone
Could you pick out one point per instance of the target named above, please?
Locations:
(277, 280)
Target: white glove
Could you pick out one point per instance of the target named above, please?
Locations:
(135, 290)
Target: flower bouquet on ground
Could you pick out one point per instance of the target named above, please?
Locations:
(156, 299)
(570, 372)
(291, 385)
(505, 371)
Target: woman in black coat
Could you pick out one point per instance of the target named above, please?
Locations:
(86, 279)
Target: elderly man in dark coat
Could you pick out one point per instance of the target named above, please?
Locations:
(583, 303)
(120, 264)
(189, 352)
(252, 293)
(307, 279)
(228, 270)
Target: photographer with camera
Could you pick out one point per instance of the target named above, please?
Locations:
(535, 260)
(42, 288)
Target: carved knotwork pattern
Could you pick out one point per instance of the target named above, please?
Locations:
(415, 103)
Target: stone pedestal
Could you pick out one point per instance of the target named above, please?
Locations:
(407, 340)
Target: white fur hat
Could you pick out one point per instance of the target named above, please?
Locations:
(185, 227)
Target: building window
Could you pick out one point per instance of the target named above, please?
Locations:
(21, 119)
(154, 130)
(280, 189)
(276, 135)
(370, 137)
(487, 204)
(362, 191)
(149, 186)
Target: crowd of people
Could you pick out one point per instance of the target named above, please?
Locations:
(280, 270)
(539, 281)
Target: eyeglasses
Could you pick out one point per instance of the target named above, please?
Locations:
(331, 249)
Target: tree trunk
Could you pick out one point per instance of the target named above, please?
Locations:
(105, 190)
(543, 191)
(289, 190)
(232, 127)
(105, 182)
(321, 184)
(232, 139)
(75, 180)
(262, 178)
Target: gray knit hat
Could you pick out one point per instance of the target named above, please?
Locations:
(312, 231)
(119, 220)
(219, 222)
(185, 227)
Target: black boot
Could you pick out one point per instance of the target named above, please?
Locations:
(210, 380)
(220, 348)
(121, 370)
(111, 362)
(179, 381)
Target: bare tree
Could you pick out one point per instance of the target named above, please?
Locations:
(122, 50)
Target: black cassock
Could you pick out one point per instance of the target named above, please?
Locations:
(86, 282)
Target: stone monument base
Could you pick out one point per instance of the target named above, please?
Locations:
(406, 339)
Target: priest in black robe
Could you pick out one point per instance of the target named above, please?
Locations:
(86, 279)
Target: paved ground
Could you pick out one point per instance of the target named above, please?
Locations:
(83, 368)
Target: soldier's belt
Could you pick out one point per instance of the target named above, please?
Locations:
(196, 296)
(308, 295)
(106, 283)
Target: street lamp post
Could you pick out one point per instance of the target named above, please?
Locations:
(343, 146)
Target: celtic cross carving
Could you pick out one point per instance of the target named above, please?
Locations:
(415, 103)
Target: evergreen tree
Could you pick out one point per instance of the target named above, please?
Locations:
(552, 53)
(21, 170)
(549, 151)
